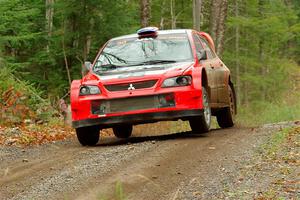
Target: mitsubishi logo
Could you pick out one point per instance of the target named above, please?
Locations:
(131, 87)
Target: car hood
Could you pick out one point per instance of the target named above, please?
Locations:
(145, 71)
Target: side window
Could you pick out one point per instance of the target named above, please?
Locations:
(210, 52)
(198, 43)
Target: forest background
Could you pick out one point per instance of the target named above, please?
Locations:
(43, 45)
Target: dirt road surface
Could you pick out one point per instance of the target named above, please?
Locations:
(149, 167)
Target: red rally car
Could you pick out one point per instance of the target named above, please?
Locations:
(152, 76)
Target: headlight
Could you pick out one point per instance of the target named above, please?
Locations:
(177, 81)
(88, 90)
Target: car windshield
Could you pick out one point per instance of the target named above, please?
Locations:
(130, 52)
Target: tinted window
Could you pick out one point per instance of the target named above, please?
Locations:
(197, 42)
(210, 52)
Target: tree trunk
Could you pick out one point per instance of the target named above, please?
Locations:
(64, 53)
(162, 13)
(214, 16)
(173, 14)
(263, 69)
(217, 23)
(237, 53)
(88, 40)
(197, 14)
(145, 12)
(49, 19)
(245, 69)
(221, 27)
(288, 3)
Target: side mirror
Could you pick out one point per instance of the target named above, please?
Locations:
(86, 68)
(201, 55)
(88, 65)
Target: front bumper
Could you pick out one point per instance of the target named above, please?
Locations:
(108, 122)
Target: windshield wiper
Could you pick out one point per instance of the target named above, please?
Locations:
(108, 67)
(114, 56)
(103, 68)
(153, 62)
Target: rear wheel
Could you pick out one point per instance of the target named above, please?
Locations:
(88, 136)
(201, 124)
(225, 117)
(123, 131)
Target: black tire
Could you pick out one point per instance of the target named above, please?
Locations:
(225, 116)
(123, 131)
(201, 124)
(88, 136)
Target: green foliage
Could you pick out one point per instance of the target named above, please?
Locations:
(267, 33)
(39, 57)
(19, 100)
(119, 191)
(271, 147)
(267, 112)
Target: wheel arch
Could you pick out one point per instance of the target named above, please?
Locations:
(204, 80)
(230, 83)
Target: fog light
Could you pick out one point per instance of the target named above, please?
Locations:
(169, 97)
(98, 108)
(167, 100)
(162, 100)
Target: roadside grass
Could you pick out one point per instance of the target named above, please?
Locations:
(259, 113)
(282, 152)
(269, 149)
(274, 170)
(283, 105)
(118, 194)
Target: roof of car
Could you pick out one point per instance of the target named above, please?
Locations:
(159, 32)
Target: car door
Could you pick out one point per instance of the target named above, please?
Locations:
(219, 74)
(207, 64)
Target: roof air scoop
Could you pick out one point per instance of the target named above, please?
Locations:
(147, 32)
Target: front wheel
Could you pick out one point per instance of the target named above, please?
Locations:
(225, 117)
(88, 136)
(201, 124)
(123, 131)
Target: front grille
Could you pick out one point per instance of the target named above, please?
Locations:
(134, 103)
(125, 86)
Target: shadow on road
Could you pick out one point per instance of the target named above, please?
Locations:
(113, 141)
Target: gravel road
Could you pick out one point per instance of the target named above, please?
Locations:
(150, 167)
